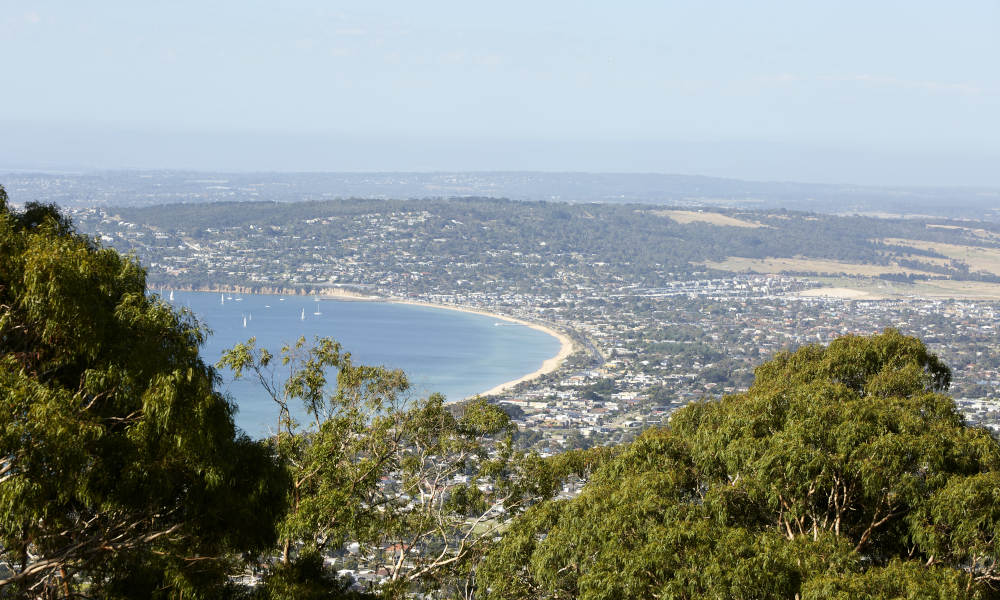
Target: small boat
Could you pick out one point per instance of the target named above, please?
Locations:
(244, 321)
(303, 317)
(171, 295)
(222, 298)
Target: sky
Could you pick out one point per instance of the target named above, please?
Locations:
(895, 93)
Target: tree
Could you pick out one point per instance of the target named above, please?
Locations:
(843, 469)
(121, 471)
(422, 488)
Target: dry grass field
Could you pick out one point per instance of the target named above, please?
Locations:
(689, 216)
(966, 290)
(977, 232)
(857, 288)
(738, 264)
(978, 258)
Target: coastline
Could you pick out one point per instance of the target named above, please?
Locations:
(566, 348)
(566, 344)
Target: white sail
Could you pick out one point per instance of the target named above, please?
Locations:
(303, 317)
(222, 298)
(244, 321)
(171, 295)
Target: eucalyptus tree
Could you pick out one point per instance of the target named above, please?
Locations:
(121, 472)
(843, 472)
(421, 488)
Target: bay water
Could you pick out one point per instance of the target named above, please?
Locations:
(455, 353)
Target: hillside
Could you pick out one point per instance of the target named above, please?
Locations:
(524, 245)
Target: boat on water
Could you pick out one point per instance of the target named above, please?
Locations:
(244, 321)
(303, 317)
(222, 298)
(171, 295)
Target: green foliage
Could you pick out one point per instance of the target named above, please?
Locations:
(422, 488)
(842, 472)
(120, 465)
(900, 579)
(306, 579)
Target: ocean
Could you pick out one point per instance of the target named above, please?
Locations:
(455, 353)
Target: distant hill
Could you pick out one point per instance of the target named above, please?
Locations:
(440, 245)
(144, 188)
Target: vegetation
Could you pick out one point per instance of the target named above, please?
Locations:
(487, 242)
(842, 472)
(121, 473)
(419, 491)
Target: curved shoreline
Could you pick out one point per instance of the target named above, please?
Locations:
(567, 345)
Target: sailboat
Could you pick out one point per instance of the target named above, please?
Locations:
(303, 317)
(222, 298)
(244, 321)
(171, 295)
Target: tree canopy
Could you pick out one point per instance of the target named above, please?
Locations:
(843, 472)
(419, 489)
(120, 468)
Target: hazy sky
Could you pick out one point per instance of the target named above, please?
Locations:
(867, 92)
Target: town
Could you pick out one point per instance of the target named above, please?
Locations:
(647, 340)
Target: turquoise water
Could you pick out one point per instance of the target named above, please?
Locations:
(455, 353)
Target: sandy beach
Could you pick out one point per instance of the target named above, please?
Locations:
(566, 348)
